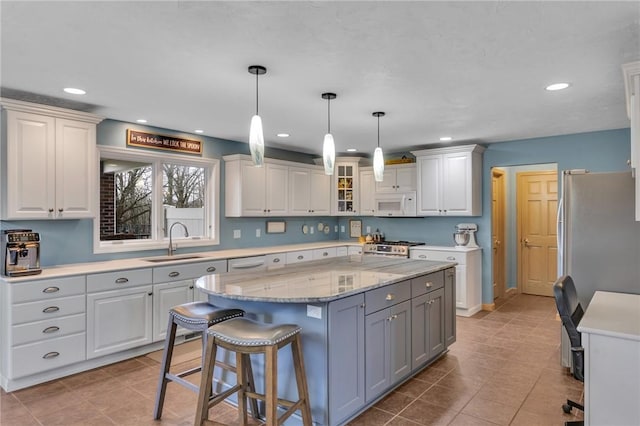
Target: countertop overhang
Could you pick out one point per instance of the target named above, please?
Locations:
(317, 281)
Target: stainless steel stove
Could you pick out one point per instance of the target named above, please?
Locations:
(390, 248)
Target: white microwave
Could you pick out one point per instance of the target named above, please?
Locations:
(396, 204)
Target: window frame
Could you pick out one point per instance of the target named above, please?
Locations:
(158, 240)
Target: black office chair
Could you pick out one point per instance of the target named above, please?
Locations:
(571, 313)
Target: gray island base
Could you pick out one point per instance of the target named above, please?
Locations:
(369, 323)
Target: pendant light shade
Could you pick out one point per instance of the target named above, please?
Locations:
(328, 146)
(256, 136)
(378, 158)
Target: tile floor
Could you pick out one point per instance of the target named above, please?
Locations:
(503, 370)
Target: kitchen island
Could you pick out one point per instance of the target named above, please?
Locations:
(369, 323)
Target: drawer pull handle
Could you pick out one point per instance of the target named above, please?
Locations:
(122, 280)
(300, 257)
(50, 309)
(174, 274)
(451, 258)
(51, 329)
(325, 254)
(422, 256)
(390, 296)
(276, 260)
(211, 269)
(392, 317)
(362, 306)
(50, 355)
(51, 289)
(428, 284)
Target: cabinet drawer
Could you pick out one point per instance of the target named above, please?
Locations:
(325, 253)
(41, 356)
(276, 259)
(47, 289)
(386, 296)
(427, 283)
(118, 280)
(299, 256)
(46, 309)
(164, 274)
(47, 329)
(439, 256)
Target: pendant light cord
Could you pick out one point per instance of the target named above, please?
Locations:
(378, 131)
(257, 94)
(328, 115)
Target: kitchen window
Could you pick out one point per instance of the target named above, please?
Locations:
(143, 193)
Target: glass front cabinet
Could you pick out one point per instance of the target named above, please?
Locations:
(346, 195)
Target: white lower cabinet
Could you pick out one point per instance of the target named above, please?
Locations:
(468, 290)
(119, 320)
(165, 297)
(325, 253)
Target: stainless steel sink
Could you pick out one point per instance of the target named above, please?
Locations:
(161, 259)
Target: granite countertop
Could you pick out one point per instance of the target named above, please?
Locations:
(317, 281)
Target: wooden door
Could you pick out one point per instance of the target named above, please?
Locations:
(498, 232)
(537, 196)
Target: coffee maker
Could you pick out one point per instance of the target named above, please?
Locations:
(22, 252)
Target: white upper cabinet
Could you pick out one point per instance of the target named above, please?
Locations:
(255, 191)
(51, 162)
(346, 191)
(309, 192)
(398, 178)
(632, 88)
(367, 192)
(449, 181)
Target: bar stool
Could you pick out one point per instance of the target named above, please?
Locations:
(244, 337)
(195, 316)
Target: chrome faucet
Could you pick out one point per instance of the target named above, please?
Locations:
(186, 234)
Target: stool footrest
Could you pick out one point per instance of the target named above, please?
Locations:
(186, 373)
(183, 382)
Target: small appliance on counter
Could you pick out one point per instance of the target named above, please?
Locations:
(465, 235)
(22, 252)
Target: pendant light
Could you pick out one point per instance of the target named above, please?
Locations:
(378, 159)
(328, 147)
(256, 137)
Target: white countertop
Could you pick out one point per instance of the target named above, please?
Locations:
(143, 262)
(319, 280)
(446, 248)
(613, 314)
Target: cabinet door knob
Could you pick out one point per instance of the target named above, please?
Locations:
(390, 296)
(190, 287)
(174, 274)
(50, 309)
(50, 210)
(276, 260)
(60, 210)
(51, 329)
(150, 293)
(362, 306)
(122, 280)
(300, 257)
(211, 269)
(51, 290)
(428, 284)
(451, 258)
(50, 355)
(325, 254)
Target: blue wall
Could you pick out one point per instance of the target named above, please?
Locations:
(71, 241)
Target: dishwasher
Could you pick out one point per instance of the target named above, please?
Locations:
(243, 264)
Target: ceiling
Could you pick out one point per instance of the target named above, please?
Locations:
(475, 71)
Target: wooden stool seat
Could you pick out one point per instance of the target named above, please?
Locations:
(244, 337)
(195, 316)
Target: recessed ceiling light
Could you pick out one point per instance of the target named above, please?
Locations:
(557, 86)
(74, 91)
(283, 135)
(141, 120)
(199, 131)
(351, 150)
(445, 139)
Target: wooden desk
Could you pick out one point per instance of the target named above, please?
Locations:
(611, 339)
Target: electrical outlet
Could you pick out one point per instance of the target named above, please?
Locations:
(237, 233)
(368, 229)
(258, 233)
(335, 228)
(341, 228)
(311, 229)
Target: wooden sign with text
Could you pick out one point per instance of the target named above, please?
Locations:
(149, 140)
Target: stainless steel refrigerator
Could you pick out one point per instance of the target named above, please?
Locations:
(599, 239)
